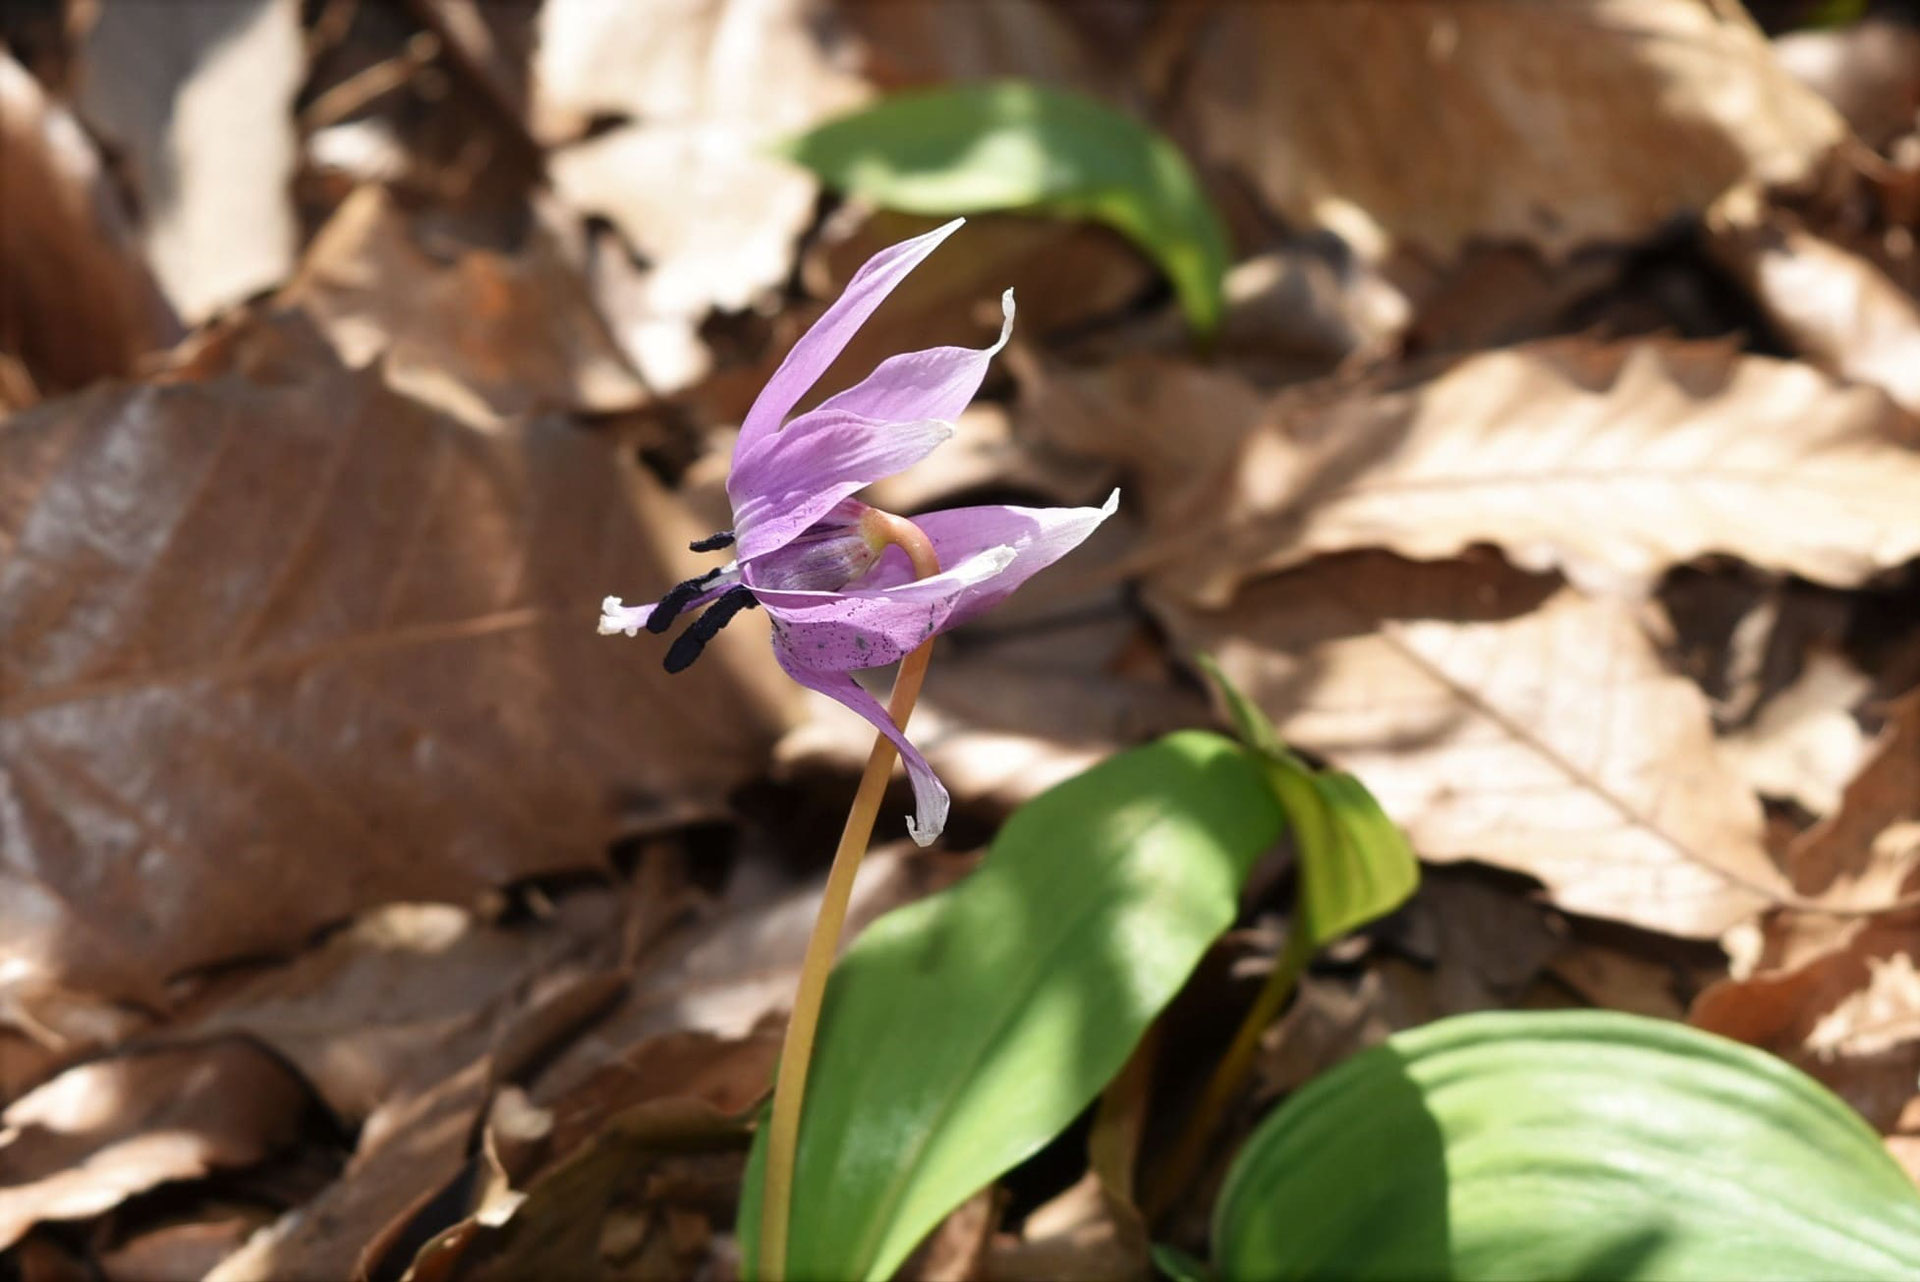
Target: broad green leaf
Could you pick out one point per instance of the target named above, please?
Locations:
(963, 1032)
(1012, 145)
(1355, 865)
(1570, 1144)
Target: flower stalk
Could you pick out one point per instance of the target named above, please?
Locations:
(796, 1052)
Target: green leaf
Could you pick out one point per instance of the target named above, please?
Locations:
(1012, 145)
(1570, 1144)
(963, 1032)
(1355, 865)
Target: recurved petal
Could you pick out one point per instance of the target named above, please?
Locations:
(828, 337)
(1039, 536)
(936, 383)
(857, 628)
(930, 801)
(987, 552)
(796, 476)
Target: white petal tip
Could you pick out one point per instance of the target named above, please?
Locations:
(1006, 323)
(1112, 504)
(923, 837)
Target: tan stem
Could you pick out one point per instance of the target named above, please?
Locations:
(796, 1053)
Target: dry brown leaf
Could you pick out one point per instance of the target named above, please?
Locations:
(405, 996)
(197, 98)
(408, 1149)
(916, 45)
(1849, 1014)
(1499, 719)
(77, 301)
(1869, 70)
(1803, 745)
(1610, 463)
(691, 184)
(1077, 1236)
(568, 1201)
(1433, 122)
(175, 1251)
(275, 653)
(93, 1136)
(1837, 309)
(737, 961)
(1869, 850)
(1840, 995)
(485, 336)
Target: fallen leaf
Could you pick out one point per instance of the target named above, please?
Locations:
(1803, 745)
(1610, 463)
(331, 651)
(1849, 1014)
(99, 1133)
(1558, 124)
(708, 85)
(1869, 70)
(408, 1148)
(77, 301)
(406, 995)
(1869, 849)
(1839, 994)
(914, 45)
(1075, 1236)
(1834, 307)
(738, 960)
(1500, 718)
(486, 336)
(186, 1250)
(198, 100)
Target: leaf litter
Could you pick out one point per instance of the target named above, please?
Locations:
(1553, 470)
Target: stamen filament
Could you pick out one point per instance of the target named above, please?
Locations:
(796, 1053)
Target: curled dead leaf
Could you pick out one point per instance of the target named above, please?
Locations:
(1503, 719)
(1611, 463)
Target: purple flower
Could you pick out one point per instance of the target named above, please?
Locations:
(842, 598)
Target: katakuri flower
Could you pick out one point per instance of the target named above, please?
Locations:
(840, 594)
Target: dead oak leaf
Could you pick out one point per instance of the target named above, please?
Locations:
(1836, 308)
(1611, 463)
(77, 300)
(273, 653)
(485, 336)
(708, 86)
(1870, 847)
(198, 99)
(406, 995)
(96, 1134)
(1500, 719)
(1432, 122)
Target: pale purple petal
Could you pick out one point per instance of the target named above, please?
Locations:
(829, 335)
(990, 551)
(936, 383)
(838, 631)
(930, 801)
(793, 478)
